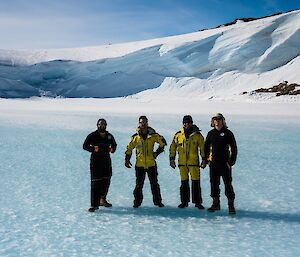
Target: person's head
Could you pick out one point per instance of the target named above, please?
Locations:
(218, 121)
(143, 122)
(101, 125)
(187, 122)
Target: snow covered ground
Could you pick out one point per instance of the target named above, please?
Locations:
(44, 184)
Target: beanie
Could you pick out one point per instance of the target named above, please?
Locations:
(187, 119)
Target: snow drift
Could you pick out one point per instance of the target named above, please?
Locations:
(216, 63)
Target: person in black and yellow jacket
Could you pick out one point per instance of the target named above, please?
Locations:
(188, 142)
(220, 153)
(143, 141)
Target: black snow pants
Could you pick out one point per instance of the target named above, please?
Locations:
(140, 178)
(218, 170)
(99, 189)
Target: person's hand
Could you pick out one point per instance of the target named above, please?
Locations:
(228, 165)
(155, 155)
(173, 164)
(203, 164)
(96, 148)
(128, 164)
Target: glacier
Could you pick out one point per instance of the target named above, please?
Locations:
(221, 62)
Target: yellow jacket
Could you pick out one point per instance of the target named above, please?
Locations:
(145, 156)
(187, 148)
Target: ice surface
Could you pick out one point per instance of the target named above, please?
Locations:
(44, 190)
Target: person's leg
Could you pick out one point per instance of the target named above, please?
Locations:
(95, 195)
(229, 192)
(214, 187)
(155, 188)
(138, 191)
(227, 179)
(185, 187)
(104, 186)
(196, 187)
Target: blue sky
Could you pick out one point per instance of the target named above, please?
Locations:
(35, 24)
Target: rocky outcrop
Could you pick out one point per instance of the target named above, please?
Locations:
(282, 88)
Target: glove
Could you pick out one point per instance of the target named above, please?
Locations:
(203, 164)
(173, 164)
(231, 163)
(128, 164)
(155, 155)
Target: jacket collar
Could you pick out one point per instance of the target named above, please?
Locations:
(150, 131)
(194, 129)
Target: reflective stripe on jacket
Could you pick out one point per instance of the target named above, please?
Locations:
(144, 147)
(187, 148)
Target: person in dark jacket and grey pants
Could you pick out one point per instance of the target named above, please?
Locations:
(220, 152)
(100, 143)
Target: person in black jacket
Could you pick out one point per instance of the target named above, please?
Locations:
(220, 152)
(100, 143)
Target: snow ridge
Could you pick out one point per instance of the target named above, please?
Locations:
(217, 63)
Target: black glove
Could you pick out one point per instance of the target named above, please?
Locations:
(203, 164)
(128, 164)
(173, 164)
(231, 163)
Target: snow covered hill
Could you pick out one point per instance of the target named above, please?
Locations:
(220, 63)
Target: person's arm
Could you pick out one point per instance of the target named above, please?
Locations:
(131, 145)
(87, 145)
(172, 152)
(233, 149)
(162, 143)
(207, 145)
(113, 144)
(201, 144)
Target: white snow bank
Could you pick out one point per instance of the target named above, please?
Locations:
(220, 63)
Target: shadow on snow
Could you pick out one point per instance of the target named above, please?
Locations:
(191, 212)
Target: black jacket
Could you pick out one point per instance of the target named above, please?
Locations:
(100, 164)
(220, 146)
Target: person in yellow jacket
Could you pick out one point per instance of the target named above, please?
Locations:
(188, 142)
(143, 141)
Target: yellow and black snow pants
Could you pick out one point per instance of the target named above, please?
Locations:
(185, 173)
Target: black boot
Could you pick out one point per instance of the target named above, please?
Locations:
(135, 205)
(160, 205)
(93, 209)
(215, 205)
(231, 208)
(184, 194)
(183, 205)
(199, 206)
(105, 203)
